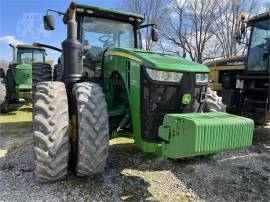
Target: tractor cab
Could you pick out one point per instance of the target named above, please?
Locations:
(30, 55)
(99, 35)
(100, 30)
(259, 45)
(254, 84)
(25, 54)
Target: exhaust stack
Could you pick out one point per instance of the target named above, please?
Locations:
(14, 53)
(72, 63)
(72, 24)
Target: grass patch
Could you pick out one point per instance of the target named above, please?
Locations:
(21, 114)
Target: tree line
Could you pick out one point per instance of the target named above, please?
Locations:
(195, 29)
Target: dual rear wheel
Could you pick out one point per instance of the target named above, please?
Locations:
(54, 144)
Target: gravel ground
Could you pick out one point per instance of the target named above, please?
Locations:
(134, 176)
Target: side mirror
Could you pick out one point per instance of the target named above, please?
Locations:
(154, 34)
(48, 21)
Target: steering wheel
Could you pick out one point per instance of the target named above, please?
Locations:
(106, 38)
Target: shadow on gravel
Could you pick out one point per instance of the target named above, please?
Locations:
(18, 107)
(261, 136)
(12, 136)
(230, 176)
(112, 184)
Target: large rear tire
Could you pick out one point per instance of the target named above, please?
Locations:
(41, 72)
(92, 128)
(11, 87)
(57, 72)
(50, 129)
(213, 102)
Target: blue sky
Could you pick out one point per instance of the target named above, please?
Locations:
(21, 21)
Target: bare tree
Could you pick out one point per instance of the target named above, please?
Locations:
(227, 23)
(153, 11)
(190, 28)
(195, 29)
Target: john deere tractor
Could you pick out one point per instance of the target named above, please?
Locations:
(154, 98)
(17, 83)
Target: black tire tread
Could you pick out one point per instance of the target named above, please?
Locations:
(93, 129)
(57, 72)
(41, 72)
(50, 129)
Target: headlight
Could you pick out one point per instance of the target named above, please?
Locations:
(164, 75)
(202, 78)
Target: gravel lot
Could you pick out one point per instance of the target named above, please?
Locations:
(134, 176)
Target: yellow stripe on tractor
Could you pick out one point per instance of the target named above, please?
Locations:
(125, 55)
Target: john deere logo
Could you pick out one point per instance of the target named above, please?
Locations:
(26, 75)
(186, 99)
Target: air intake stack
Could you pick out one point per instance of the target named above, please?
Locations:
(72, 67)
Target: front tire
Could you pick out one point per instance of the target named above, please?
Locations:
(93, 128)
(50, 129)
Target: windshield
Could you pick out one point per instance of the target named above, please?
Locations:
(101, 34)
(29, 56)
(257, 54)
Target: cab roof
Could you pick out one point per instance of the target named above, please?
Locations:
(112, 14)
(260, 17)
(231, 61)
(29, 47)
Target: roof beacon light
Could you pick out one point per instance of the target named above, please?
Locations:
(242, 16)
(89, 11)
(131, 19)
(80, 10)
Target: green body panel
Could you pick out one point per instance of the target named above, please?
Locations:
(164, 62)
(23, 79)
(23, 74)
(203, 133)
(182, 134)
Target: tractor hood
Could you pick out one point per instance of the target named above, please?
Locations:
(24, 66)
(161, 61)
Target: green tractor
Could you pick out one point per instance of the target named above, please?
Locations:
(17, 83)
(154, 98)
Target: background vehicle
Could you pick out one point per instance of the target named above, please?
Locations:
(245, 88)
(17, 82)
(223, 76)
(130, 92)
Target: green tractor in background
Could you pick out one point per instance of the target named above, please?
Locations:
(156, 99)
(27, 68)
(17, 82)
